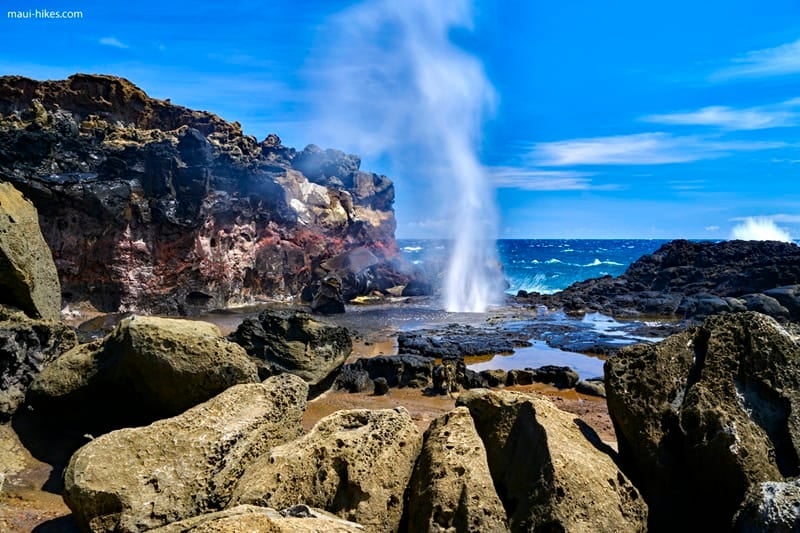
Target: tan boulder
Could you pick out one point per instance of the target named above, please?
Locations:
(451, 488)
(252, 519)
(550, 469)
(28, 276)
(146, 368)
(355, 464)
(141, 478)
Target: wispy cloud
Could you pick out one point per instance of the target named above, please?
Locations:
(712, 228)
(686, 185)
(113, 41)
(639, 149)
(535, 179)
(753, 118)
(778, 61)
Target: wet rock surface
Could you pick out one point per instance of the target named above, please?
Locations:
(706, 415)
(153, 207)
(693, 280)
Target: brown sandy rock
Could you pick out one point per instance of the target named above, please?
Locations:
(355, 464)
(551, 471)
(706, 414)
(451, 488)
(142, 478)
(28, 276)
(249, 518)
(147, 368)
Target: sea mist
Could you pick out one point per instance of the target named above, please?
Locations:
(392, 84)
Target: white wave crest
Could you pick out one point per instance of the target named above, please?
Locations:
(760, 229)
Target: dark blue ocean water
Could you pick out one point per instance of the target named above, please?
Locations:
(545, 265)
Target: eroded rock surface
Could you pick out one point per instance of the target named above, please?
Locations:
(355, 464)
(707, 414)
(147, 368)
(452, 489)
(28, 276)
(153, 207)
(137, 479)
(551, 472)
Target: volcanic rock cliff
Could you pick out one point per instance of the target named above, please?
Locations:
(153, 207)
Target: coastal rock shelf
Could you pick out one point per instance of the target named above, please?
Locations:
(152, 207)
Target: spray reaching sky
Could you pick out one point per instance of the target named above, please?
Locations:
(395, 85)
(760, 229)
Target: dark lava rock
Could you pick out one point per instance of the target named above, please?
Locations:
(706, 415)
(26, 346)
(521, 377)
(328, 299)
(591, 387)
(562, 377)
(381, 386)
(689, 280)
(495, 378)
(295, 342)
(353, 378)
(772, 506)
(457, 341)
(398, 370)
(160, 209)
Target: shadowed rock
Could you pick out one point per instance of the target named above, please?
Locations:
(705, 415)
(137, 479)
(551, 472)
(772, 506)
(28, 276)
(147, 368)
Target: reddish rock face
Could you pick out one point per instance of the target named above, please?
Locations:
(153, 207)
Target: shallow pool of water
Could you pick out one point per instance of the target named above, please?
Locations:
(540, 354)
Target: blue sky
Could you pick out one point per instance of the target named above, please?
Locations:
(618, 118)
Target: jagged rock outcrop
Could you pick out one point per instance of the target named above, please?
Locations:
(28, 277)
(693, 280)
(157, 208)
(355, 464)
(137, 479)
(451, 488)
(147, 368)
(296, 342)
(250, 518)
(26, 346)
(552, 472)
(772, 506)
(706, 415)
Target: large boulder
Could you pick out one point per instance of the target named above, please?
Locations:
(28, 276)
(26, 346)
(147, 368)
(355, 464)
(398, 371)
(294, 341)
(137, 479)
(551, 471)
(451, 488)
(250, 518)
(707, 414)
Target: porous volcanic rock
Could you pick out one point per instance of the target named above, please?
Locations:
(147, 368)
(26, 346)
(251, 519)
(707, 414)
(156, 208)
(136, 479)
(772, 506)
(355, 464)
(28, 276)
(551, 471)
(296, 342)
(692, 280)
(451, 488)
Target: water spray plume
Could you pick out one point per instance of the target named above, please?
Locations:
(396, 85)
(760, 229)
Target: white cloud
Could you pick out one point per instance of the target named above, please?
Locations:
(777, 61)
(712, 228)
(639, 149)
(754, 118)
(113, 41)
(686, 185)
(534, 179)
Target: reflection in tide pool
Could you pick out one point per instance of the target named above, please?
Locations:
(540, 354)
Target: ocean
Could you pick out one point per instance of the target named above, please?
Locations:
(546, 265)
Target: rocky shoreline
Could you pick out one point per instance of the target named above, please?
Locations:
(297, 417)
